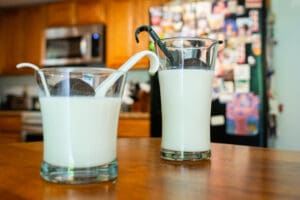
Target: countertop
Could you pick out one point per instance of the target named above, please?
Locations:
(123, 115)
(234, 172)
(10, 113)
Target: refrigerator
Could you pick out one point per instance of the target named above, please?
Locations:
(239, 101)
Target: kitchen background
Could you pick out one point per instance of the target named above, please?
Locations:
(21, 36)
(26, 85)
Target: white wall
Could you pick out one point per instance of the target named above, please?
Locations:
(287, 72)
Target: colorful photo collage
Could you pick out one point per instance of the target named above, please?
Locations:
(236, 22)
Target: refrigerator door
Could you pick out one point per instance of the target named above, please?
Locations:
(239, 70)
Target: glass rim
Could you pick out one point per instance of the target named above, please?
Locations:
(190, 38)
(82, 69)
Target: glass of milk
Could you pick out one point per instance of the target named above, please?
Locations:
(79, 125)
(186, 79)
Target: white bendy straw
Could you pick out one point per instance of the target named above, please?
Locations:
(109, 81)
(37, 69)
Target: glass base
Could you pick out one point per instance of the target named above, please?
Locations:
(71, 175)
(184, 155)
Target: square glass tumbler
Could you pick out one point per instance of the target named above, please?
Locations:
(80, 113)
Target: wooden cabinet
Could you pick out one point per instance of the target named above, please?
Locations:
(90, 11)
(10, 127)
(119, 35)
(123, 17)
(76, 12)
(21, 29)
(130, 125)
(134, 125)
(61, 14)
(10, 123)
(13, 40)
(22, 37)
(2, 41)
(35, 19)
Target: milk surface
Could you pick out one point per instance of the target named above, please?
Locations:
(80, 131)
(186, 106)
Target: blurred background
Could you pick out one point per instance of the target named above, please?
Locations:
(256, 79)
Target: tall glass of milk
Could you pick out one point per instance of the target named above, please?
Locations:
(186, 79)
(80, 111)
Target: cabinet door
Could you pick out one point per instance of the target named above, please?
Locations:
(61, 14)
(134, 128)
(123, 17)
(21, 38)
(2, 42)
(143, 18)
(13, 40)
(10, 123)
(142, 11)
(35, 21)
(10, 129)
(120, 33)
(90, 11)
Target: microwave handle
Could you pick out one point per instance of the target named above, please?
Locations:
(85, 44)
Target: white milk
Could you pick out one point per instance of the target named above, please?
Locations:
(186, 106)
(80, 131)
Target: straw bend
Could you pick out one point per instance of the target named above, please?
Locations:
(156, 39)
(37, 69)
(102, 89)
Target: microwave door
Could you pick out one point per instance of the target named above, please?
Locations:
(66, 51)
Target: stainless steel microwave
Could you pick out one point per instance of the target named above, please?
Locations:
(74, 45)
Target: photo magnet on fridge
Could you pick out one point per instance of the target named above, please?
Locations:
(254, 3)
(242, 115)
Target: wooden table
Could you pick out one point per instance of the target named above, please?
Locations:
(234, 172)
